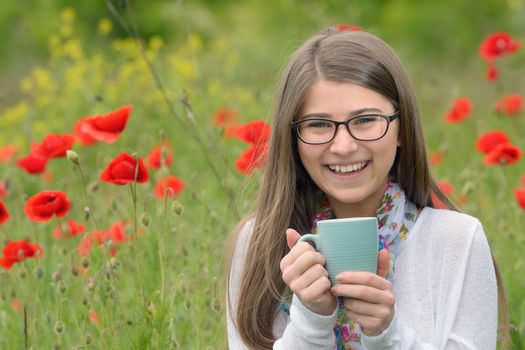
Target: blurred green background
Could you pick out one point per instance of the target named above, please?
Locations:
(60, 60)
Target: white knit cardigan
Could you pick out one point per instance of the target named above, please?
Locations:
(445, 293)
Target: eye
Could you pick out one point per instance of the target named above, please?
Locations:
(317, 124)
(365, 119)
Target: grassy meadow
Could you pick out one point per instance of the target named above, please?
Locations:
(193, 73)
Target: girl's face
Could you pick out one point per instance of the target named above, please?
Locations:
(330, 165)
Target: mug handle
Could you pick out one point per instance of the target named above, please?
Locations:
(309, 238)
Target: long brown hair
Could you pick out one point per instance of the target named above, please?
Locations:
(286, 195)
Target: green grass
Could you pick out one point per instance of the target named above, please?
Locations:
(165, 288)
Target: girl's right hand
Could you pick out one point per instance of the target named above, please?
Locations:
(303, 271)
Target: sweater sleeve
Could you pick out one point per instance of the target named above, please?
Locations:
(469, 316)
(305, 329)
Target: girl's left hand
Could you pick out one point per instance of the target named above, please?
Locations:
(368, 298)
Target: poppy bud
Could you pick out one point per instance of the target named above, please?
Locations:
(39, 272)
(23, 274)
(57, 276)
(145, 219)
(62, 287)
(59, 327)
(84, 262)
(87, 339)
(74, 271)
(72, 156)
(93, 186)
(177, 208)
(91, 285)
(87, 211)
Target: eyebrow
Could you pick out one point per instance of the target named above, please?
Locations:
(354, 113)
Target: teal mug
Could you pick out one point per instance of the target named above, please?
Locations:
(346, 244)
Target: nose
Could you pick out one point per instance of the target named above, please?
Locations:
(343, 142)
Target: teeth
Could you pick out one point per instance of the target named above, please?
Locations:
(343, 169)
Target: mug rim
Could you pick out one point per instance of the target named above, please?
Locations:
(365, 218)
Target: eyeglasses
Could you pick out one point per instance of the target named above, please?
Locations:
(370, 127)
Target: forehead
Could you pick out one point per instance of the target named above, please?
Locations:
(343, 99)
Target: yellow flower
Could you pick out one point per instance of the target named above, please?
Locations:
(68, 14)
(195, 42)
(104, 26)
(155, 43)
(13, 115)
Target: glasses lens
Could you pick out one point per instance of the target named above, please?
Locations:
(316, 130)
(368, 127)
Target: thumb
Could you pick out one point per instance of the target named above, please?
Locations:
(291, 237)
(383, 262)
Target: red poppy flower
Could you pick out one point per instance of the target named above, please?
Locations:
(4, 214)
(53, 146)
(520, 196)
(490, 139)
(170, 182)
(254, 132)
(117, 233)
(154, 157)
(225, 117)
(252, 159)
(436, 158)
(436, 202)
(348, 27)
(503, 154)
(42, 206)
(93, 317)
(106, 128)
(33, 163)
(17, 251)
(445, 187)
(510, 105)
(84, 246)
(492, 72)
(70, 229)
(7, 152)
(460, 110)
(121, 170)
(498, 44)
(3, 188)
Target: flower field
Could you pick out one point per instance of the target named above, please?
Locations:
(126, 161)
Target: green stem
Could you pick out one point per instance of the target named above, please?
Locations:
(106, 253)
(4, 232)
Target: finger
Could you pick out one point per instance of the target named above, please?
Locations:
(309, 277)
(294, 253)
(292, 237)
(306, 259)
(371, 326)
(364, 293)
(317, 291)
(383, 262)
(364, 278)
(367, 309)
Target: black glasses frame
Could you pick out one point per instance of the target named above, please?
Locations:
(388, 118)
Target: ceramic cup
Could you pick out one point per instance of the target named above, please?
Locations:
(346, 244)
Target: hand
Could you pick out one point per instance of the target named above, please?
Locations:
(303, 271)
(368, 298)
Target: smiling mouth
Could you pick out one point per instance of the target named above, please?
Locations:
(346, 169)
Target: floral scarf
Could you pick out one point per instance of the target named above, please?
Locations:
(395, 217)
